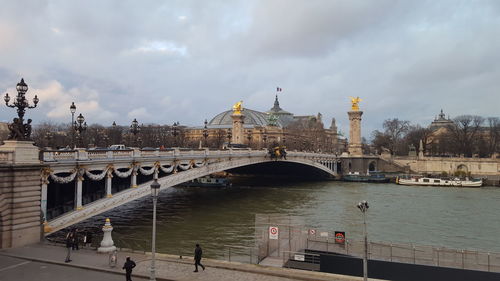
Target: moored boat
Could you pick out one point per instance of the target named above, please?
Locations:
(208, 181)
(428, 181)
(373, 177)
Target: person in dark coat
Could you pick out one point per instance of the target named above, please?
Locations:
(197, 258)
(128, 266)
(76, 239)
(69, 245)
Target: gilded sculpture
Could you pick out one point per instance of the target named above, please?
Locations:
(355, 103)
(237, 108)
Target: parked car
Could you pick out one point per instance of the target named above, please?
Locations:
(118, 147)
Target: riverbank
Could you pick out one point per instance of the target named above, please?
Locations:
(168, 267)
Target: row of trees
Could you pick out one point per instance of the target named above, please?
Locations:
(308, 135)
(467, 135)
(54, 135)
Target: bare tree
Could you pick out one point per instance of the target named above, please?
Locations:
(391, 138)
(464, 132)
(493, 140)
(415, 134)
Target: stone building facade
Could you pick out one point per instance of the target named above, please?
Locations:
(262, 129)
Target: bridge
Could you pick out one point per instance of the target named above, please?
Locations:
(171, 167)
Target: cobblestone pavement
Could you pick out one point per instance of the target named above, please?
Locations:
(49, 260)
(22, 270)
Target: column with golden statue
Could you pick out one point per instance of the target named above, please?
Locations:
(238, 117)
(355, 147)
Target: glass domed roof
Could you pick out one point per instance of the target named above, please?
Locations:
(252, 118)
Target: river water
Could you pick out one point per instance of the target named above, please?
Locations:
(460, 218)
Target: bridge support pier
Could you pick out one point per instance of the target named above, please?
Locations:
(78, 197)
(109, 178)
(133, 178)
(20, 194)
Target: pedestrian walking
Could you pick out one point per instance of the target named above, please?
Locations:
(87, 240)
(197, 258)
(76, 239)
(69, 245)
(128, 266)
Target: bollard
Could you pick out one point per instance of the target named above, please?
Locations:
(107, 244)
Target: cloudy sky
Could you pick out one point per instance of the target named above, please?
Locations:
(166, 61)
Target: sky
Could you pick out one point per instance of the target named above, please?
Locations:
(167, 61)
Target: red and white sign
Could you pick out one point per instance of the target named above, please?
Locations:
(312, 231)
(273, 232)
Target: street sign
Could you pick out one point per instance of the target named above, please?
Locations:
(339, 237)
(323, 234)
(312, 231)
(273, 232)
(299, 257)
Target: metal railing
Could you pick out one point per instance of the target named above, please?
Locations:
(301, 260)
(414, 254)
(241, 254)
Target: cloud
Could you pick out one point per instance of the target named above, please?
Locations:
(139, 113)
(186, 61)
(55, 100)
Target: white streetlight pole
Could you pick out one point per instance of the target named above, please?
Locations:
(155, 189)
(363, 206)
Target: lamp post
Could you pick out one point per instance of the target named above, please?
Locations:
(363, 206)
(80, 126)
(134, 129)
(72, 109)
(175, 132)
(19, 130)
(249, 137)
(48, 136)
(205, 132)
(155, 189)
(229, 136)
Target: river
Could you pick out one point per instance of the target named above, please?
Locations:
(460, 218)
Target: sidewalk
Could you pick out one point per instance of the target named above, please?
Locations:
(168, 267)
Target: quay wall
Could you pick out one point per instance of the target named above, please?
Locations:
(488, 168)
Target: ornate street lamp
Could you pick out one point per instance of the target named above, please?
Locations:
(72, 109)
(80, 126)
(205, 132)
(48, 136)
(363, 206)
(175, 132)
(249, 137)
(155, 190)
(229, 136)
(19, 130)
(105, 139)
(135, 129)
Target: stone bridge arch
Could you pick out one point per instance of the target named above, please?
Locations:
(462, 169)
(143, 189)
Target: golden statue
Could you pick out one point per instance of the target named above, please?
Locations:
(355, 101)
(237, 108)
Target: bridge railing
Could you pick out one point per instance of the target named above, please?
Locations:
(84, 155)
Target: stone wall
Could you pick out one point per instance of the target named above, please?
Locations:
(437, 165)
(20, 193)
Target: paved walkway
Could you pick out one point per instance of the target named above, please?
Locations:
(168, 267)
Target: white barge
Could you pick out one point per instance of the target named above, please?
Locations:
(440, 182)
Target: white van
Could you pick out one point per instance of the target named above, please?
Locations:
(118, 147)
